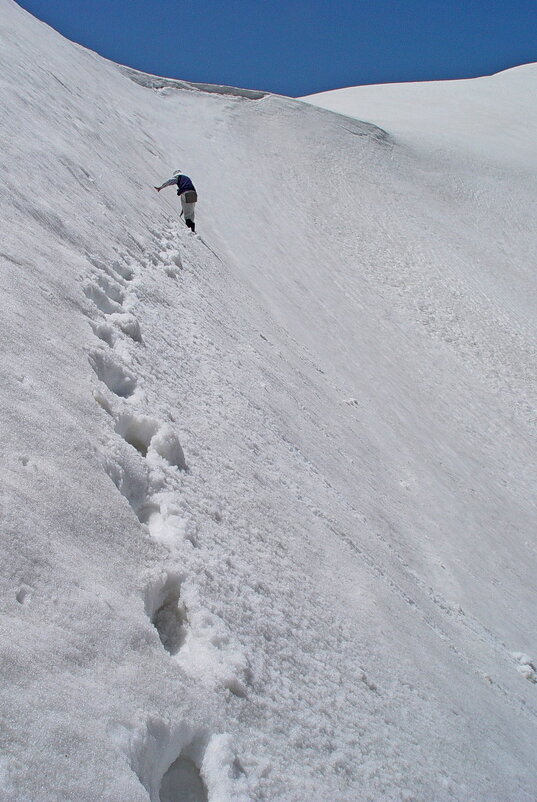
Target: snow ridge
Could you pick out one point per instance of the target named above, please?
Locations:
(157, 83)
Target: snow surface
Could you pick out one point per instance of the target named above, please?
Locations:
(492, 119)
(268, 502)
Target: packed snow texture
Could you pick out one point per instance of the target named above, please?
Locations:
(268, 499)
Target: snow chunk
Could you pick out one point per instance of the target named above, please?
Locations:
(128, 324)
(166, 444)
(526, 666)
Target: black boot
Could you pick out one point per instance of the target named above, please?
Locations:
(191, 225)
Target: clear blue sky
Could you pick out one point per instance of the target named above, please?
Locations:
(299, 47)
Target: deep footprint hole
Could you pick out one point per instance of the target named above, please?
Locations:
(142, 431)
(167, 612)
(111, 288)
(183, 783)
(170, 623)
(116, 378)
(125, 271)
(138, 431)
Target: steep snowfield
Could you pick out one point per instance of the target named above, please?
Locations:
(268, 503)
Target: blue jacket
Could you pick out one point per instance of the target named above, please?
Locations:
(184, 184)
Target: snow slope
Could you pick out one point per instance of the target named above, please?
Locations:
(268, 505)
(492, 119)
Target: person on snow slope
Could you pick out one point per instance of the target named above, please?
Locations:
(187, 192)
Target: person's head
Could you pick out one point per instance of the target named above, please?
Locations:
(178, 172)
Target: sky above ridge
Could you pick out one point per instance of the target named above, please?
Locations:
(297, 47)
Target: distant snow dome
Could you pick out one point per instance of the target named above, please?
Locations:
(491, 118)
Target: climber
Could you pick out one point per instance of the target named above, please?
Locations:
(187, 192)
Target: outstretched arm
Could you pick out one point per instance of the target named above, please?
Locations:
(167, 183)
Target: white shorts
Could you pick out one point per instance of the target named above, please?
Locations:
(188, 209)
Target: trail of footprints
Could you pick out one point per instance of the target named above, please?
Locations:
(144, 460)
